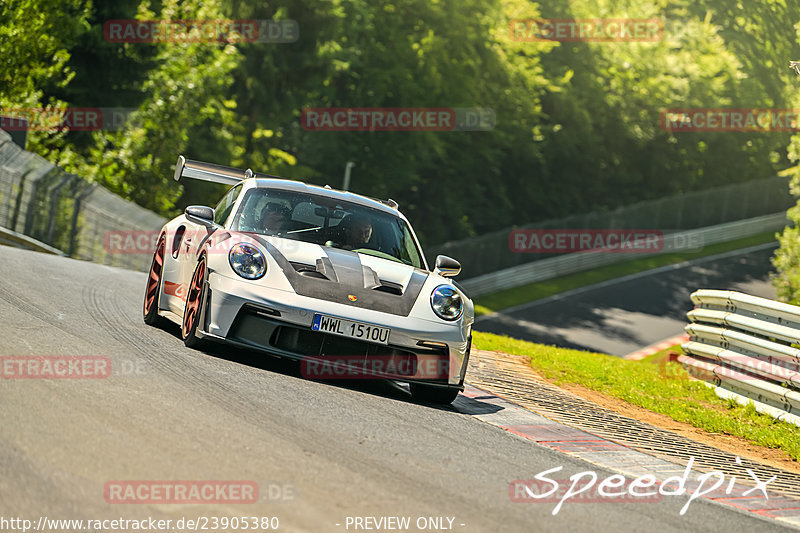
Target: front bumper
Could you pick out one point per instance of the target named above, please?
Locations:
(279, 322)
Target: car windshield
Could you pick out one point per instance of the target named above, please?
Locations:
(329, 222)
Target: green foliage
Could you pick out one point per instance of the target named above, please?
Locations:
(184, 93)
(787, 258)
(604, 122)
(35, 37)
(577, 124)
(655, 385)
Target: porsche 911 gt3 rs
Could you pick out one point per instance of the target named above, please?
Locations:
(331, 278)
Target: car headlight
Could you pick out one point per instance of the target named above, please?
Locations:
(247, 261)
(446, 302)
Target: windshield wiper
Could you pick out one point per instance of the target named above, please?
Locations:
(301, 230)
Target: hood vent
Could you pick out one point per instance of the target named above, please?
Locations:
(390, 288)
(322, 270)
(309, 271)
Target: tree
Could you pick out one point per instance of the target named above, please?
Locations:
(186, 89)
(35, 39)
(577, 124)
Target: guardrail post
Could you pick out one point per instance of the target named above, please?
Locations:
(54, 206)
(18, 201)
(76, 211)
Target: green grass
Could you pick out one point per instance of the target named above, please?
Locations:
(655, 385)
(660, 357)
(542, 289)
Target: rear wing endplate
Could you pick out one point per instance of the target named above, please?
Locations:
(189, 168)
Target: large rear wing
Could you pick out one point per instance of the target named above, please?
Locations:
(199, 170)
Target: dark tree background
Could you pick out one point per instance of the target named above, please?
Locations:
(577, 123)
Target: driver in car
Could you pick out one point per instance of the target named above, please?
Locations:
(274, 217)
(355, 231)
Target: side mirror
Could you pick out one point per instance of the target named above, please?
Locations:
(447, 266)
(200, 214)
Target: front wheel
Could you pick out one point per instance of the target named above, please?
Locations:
(194, 307)
(427, 394)
(151, 294)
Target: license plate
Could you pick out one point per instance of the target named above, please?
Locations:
(348, 328)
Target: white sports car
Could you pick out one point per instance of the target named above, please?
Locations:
(334, 279)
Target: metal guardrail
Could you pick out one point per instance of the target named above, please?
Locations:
(12, 238)
(563, 265)
(484, 254)
(64, 211)
(747, 347)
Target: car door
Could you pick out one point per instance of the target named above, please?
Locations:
(193, 238)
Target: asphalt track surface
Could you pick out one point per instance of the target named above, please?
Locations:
(171, 413)
(621, 316)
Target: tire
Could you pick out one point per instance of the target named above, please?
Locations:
(427, 394)
(153, 288)
(194, 307)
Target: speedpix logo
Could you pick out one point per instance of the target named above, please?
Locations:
(585, 487)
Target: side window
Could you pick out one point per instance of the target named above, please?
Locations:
(411, 253)
(225, 205)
